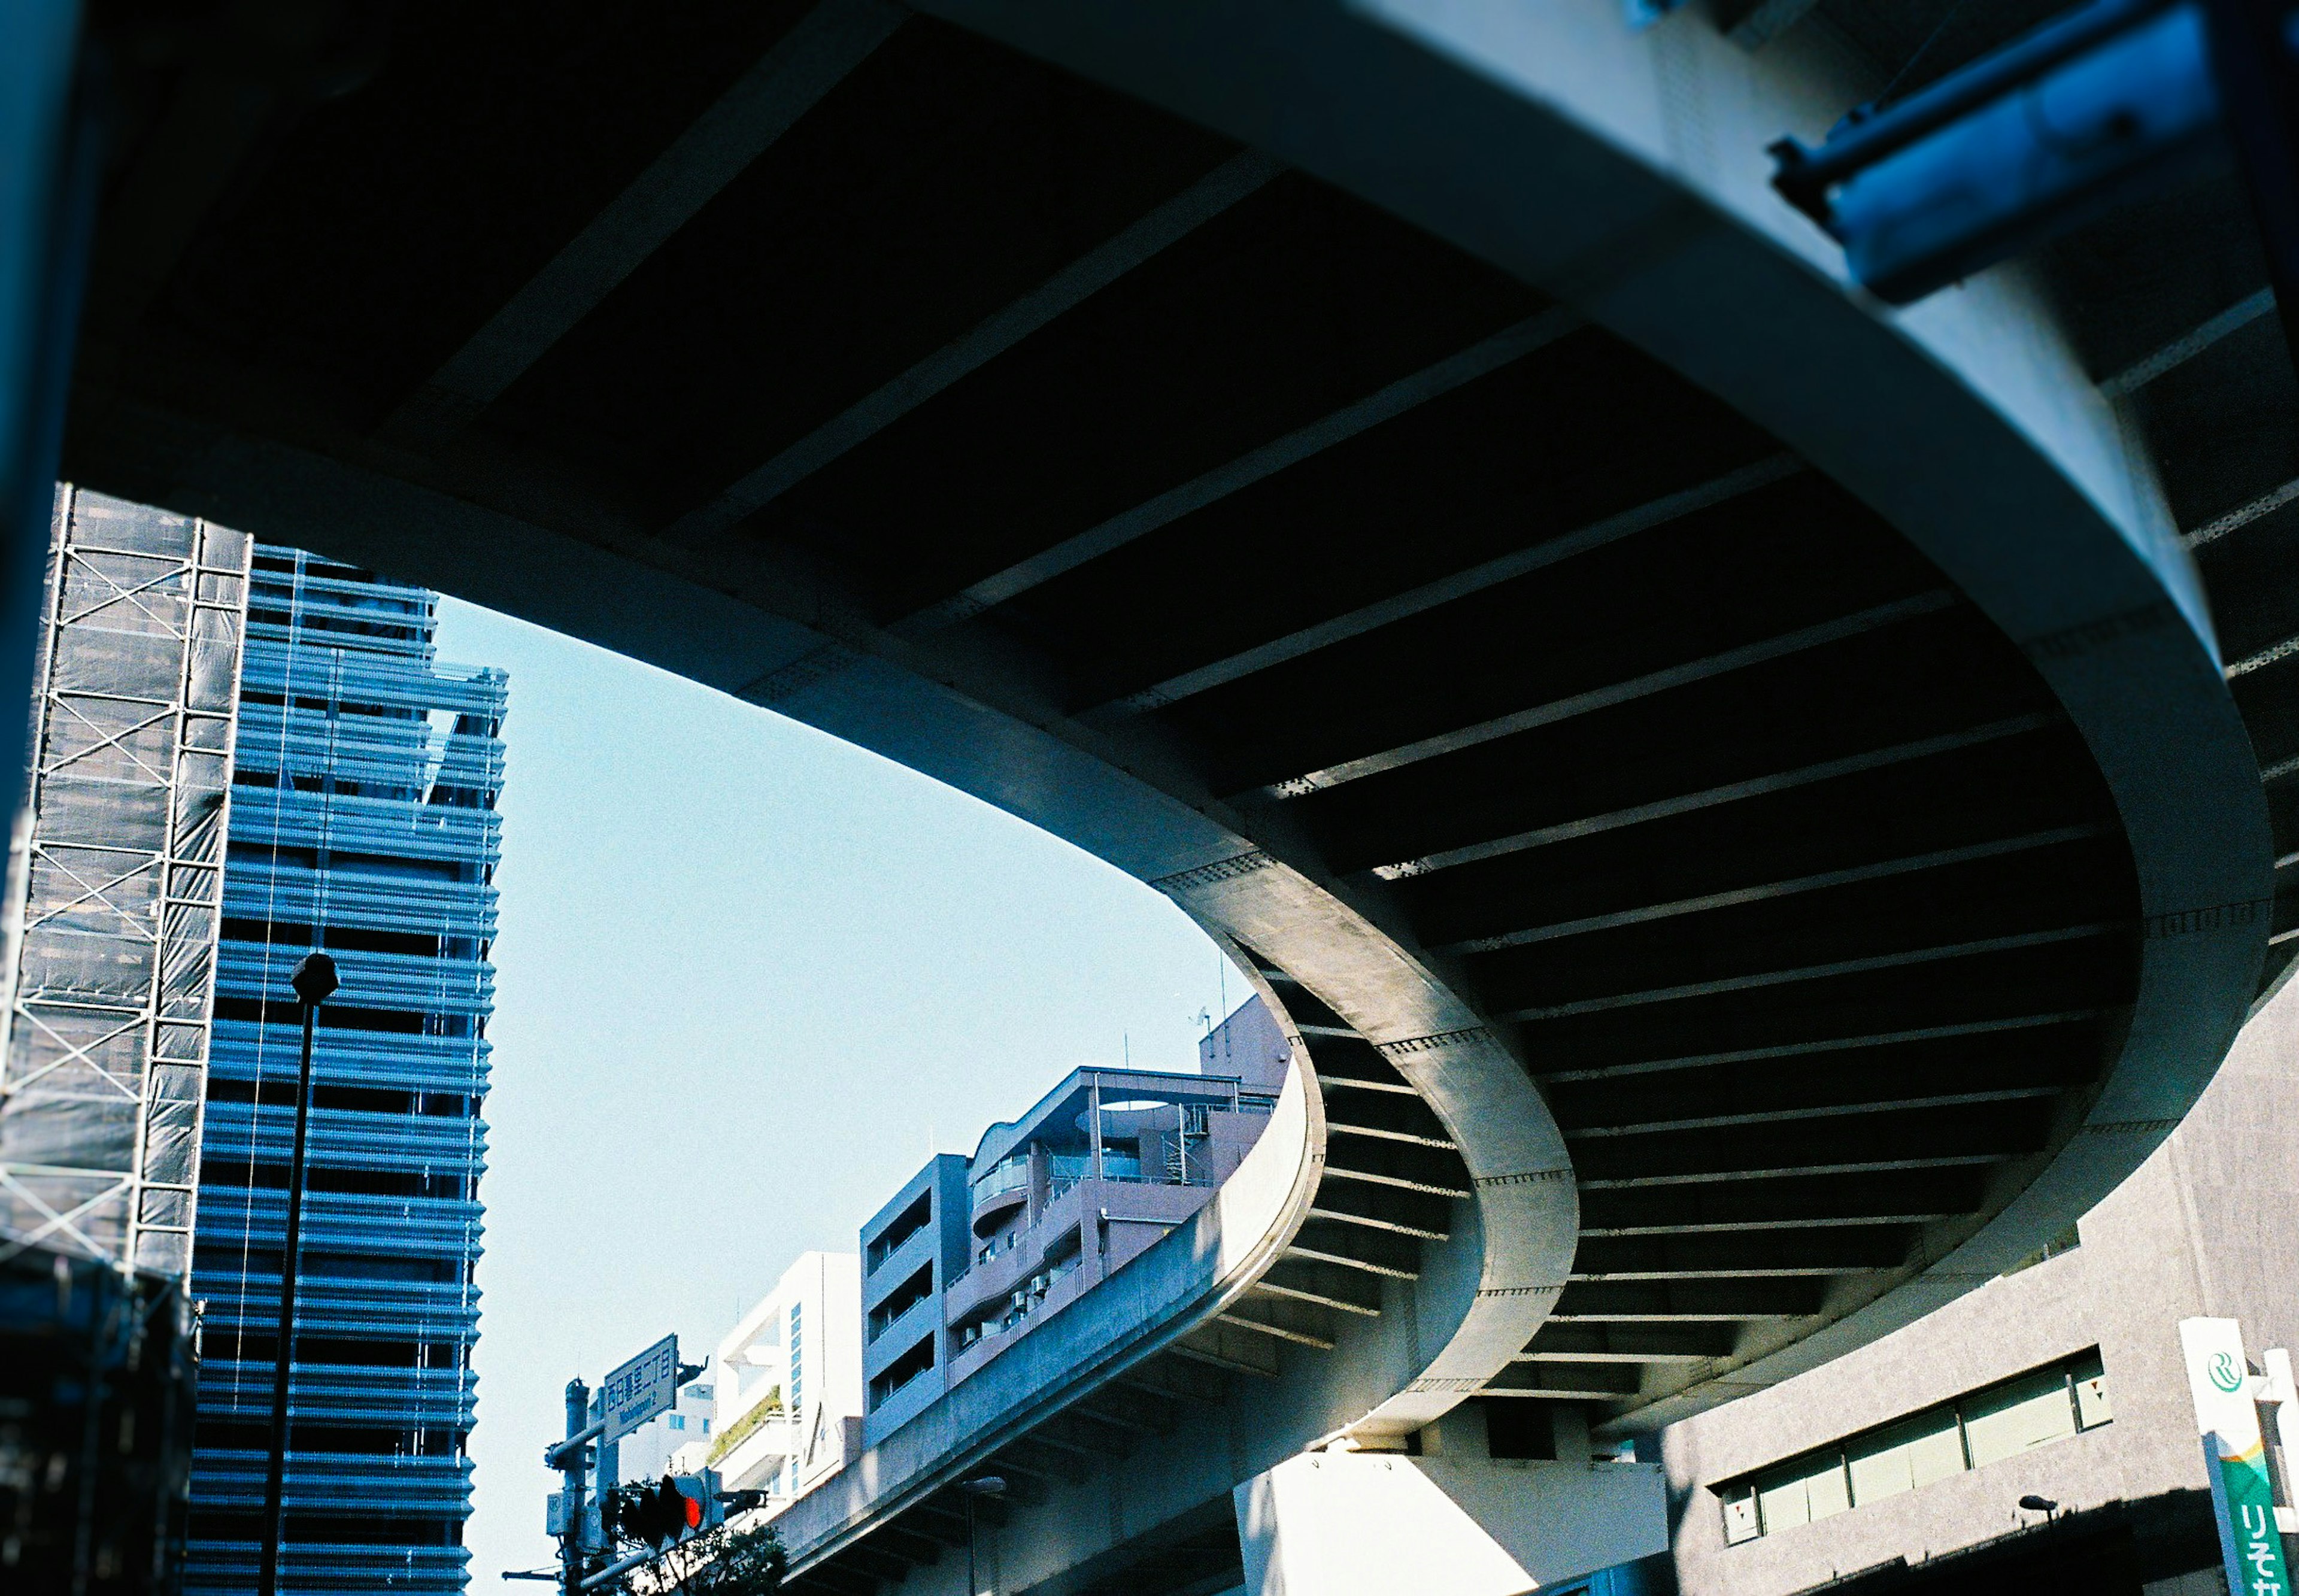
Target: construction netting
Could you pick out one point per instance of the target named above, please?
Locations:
(115, 870)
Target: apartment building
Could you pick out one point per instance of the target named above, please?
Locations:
(974, 1253)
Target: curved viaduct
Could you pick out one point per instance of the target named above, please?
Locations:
(1738, 796)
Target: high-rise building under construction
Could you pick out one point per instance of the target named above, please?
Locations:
(362, 821)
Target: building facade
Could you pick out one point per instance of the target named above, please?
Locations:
(1920, 1460)
(974, 1253)
(789, 1381)
(363, 822)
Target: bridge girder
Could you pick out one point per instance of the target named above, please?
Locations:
(1735, 796)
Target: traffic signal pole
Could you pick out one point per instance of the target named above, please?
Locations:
(573, 1467)
(314, 981)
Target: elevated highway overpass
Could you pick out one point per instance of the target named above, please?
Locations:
(1759, 811)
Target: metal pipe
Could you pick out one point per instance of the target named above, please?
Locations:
(1806, 175)
(621, 1566)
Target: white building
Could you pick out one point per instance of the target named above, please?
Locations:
(789, 1381)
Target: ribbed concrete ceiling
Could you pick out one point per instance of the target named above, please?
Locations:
(1776, 862)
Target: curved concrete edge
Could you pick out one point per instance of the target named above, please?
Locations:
(1179, 1283)
(2007, 471)
(1528, 1207)
(1195, 857)
(1238, 889)
(1625, 173)
(1528, 1210)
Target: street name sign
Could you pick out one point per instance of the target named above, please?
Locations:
(636, 1390)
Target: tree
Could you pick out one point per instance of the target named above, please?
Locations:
(724, 1561)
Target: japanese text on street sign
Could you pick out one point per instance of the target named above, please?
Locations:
(637, 1391)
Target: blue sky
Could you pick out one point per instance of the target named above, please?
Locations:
(747, 978)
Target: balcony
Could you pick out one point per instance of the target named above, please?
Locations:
(762, 1439)
(998, 1193)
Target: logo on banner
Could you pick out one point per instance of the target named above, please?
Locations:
(2242, 1494)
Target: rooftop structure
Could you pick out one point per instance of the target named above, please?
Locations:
(363, 822)
(790, 1382)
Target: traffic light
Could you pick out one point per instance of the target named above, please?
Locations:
(669, 1511)
(705, 1504)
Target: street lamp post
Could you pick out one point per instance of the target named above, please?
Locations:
(314, 982)
(989, 1485)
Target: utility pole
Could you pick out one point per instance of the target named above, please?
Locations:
(315, 983)
(572, 1465)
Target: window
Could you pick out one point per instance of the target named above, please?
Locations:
(1998, 1421)
(1901, 1457)
(678, 1421)
(797, 1363)
(1010, 1174)
(902, 1371)
(2019, 1416)
(903, 1298)
(906, 1225)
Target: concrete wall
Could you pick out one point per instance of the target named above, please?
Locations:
(945, 1241)
(1248, 1045)
(2209, 1225)
(754, 1367)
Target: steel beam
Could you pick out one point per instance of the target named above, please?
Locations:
(1814, 972)
(2179, 351)
(1370, 618)
(1344, 1261)
(1167, 225)
(1406, 393)
(1819, 881)
(785, 83)
(1961, 1160)
(1663, 808)
(1929, 603)
(1744, 1227)
(1300, 1338)
(1374, 1222)
(1656, 1128)
(1792, 1050)
(2242, 516)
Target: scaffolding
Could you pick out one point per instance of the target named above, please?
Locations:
(115, 870)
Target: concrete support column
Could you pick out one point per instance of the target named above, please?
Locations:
(1372, 1523)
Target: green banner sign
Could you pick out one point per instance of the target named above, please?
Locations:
(2220, 1380)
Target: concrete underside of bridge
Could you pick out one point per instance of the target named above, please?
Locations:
(1740, 796)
